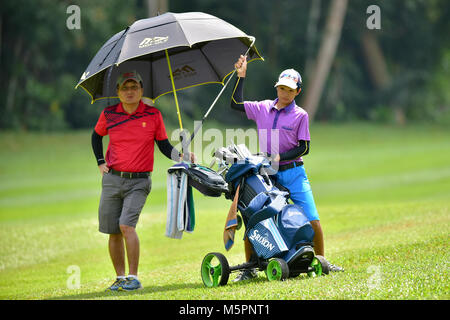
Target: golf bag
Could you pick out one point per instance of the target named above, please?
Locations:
(204, 179)
(279, 233)
(274, 227)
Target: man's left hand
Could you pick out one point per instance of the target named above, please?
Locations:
(191, 157)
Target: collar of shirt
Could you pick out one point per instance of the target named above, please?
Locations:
(286, 109)
(140, 108)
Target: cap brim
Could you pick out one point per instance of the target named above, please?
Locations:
(286, 82)
(125, 80)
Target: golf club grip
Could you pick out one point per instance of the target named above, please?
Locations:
(195, 131)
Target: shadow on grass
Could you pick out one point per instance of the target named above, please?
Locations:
(116, 294)
(261, 279)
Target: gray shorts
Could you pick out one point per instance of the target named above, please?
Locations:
(121, 202)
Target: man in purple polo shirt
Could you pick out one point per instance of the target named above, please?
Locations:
(283, 132)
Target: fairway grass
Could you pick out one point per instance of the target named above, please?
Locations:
(383, 195)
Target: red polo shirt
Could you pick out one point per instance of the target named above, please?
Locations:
(131, 136)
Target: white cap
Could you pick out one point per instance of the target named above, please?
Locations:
(290, 78)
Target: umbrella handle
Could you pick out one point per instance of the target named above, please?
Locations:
(185, 145)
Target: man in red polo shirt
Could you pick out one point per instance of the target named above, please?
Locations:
(133, 128)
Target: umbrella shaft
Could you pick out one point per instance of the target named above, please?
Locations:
(209, 110)
(218, 96)
(174, 90)
(229, 78)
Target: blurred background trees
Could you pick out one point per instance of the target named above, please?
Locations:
(398, 74)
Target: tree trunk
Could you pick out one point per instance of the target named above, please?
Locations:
(376, 64)
(274, 35)
(377, 68)
(13, 79)
(325, 57)
(157, 7)
(311, 35)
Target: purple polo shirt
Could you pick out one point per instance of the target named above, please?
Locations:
(278, 130)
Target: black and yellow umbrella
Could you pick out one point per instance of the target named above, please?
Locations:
(171, 52)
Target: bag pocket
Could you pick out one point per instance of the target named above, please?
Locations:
(266, 239)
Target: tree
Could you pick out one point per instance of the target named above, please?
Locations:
(326, 55)
(156, 7)
(402, 66)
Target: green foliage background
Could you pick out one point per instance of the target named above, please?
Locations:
(41, 60)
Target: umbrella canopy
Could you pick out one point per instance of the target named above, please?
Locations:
(199, 48)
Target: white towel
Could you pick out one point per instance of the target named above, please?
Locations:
(174, 218)
(180, 206)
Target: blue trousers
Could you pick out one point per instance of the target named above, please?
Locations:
(297, 182)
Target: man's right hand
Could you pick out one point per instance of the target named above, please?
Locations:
(241, 66)
(103, 168)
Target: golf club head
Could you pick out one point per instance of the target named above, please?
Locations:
(225, 155)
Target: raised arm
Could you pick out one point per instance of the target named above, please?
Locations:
(237, 98)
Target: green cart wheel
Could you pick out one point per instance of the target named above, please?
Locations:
(215, 270)
(277, 270)
(320, 266)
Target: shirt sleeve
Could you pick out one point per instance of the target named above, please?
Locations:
(100, 127)
(168, 150)
(161, 130)
(237, 98)
(97, 147)
(303, 129)
(295, 153)
(252, 109)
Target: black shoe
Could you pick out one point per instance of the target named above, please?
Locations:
(246, 274)
(334, 268)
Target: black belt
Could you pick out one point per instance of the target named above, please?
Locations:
(130, 175)
(290, 165)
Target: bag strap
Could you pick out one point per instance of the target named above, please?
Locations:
(266, 212)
